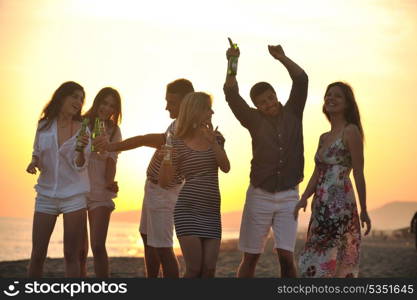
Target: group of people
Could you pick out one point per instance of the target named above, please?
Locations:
(182, 186)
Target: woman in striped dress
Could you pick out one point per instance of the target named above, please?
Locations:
(197, 154)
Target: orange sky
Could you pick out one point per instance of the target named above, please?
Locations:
(139, 48)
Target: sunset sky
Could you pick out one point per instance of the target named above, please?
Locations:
(138, 47)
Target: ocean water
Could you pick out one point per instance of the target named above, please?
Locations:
(123, 239)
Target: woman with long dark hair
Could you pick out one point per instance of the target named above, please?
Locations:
(102, 170)
(63, 181)
(334, 233)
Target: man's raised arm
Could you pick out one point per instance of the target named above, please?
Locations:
(298, 96)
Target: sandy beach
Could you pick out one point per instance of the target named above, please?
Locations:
(381, 257)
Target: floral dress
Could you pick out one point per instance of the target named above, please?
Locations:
(333, 238)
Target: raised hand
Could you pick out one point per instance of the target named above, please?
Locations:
(208, 133)
(276, 51)
(232, 52)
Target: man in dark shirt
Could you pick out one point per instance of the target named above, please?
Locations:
(276, 167)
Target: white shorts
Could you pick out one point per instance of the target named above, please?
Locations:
(157, 219)
(56, 206)
(264, 211)
(93, 204)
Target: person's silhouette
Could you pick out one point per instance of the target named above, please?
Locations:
(413, 227)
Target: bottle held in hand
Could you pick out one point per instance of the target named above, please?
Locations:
(79, 146)
(168, 147)
(99, 129)
(102, 127)
(232, 62)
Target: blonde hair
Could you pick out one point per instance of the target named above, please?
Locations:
(193, 106)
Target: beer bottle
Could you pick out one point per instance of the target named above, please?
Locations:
(232, 62)
(96, 132)
(79, 146)
(102, 127)
(168, 147)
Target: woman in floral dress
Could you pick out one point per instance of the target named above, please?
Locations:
(334, 235)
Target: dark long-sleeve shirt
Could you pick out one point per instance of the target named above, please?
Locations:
(277, 142)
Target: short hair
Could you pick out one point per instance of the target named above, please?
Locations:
(191, 114)
(260, 88)
(181, 87)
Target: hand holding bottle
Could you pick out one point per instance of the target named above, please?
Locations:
(233, 50)
(232, 55)
(98, 130)
(83, 141)
(167, 148)
(101, 143)
(82, 138)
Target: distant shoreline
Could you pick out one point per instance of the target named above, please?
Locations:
(388, 217)
(379, 258)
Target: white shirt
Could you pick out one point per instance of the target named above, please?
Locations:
(59, 177)
(97, 172)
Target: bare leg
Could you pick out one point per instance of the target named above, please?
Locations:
(286, 260)
(211, 249)
(74, 226)
(192, 250)
(84, 253)
(152, 261)
(169, 262)
(43, 225)
(248, 265)
(99, 219)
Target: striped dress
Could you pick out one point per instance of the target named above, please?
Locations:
(197, 211)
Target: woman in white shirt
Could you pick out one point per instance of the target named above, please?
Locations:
(101, 170)
(63, 181)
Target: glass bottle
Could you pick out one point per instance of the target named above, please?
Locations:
(168, 147)
(232, 62)
(96, 132)
(79, 146)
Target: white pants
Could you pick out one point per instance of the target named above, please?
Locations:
(263, 211)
